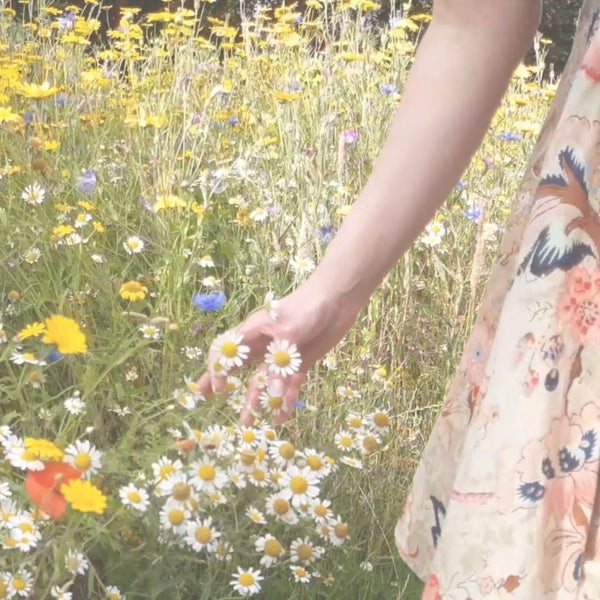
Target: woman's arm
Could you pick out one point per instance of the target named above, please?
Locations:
(461, 71)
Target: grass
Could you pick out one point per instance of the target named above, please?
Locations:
(243, 151)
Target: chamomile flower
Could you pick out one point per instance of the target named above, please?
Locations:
(246, 582)
(283, 453)
(280, 507)
(84, 457)
(255, 516)
(135, 497)
(223, 551)
(175, 518)
(165, 467)
(60, 593)
(271, 400)
(231, 351)
(355, 422)
(271, 548)
(271, 305)
(74, 404)
(319, 510)
(5, 491)
(34, 194)
(237, 476)
(283, 358)
(249, 438)
(114, 593)
(192, 352)
(76, 563)
(150, 332)
(20, 584)
(338, 533)
(301, 575)
(236, 402)
(299, 485)
(316, 461)
(368, 443)
(133, 245)
(206, 261)
(206, 475)
(347, 392)
(21, 457)
(345, 441)
(258, 477)
(202, 535)
(379, 421)
(32, 255)
(351, 462)
(302, 550)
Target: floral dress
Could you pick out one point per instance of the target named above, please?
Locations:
(505, 500)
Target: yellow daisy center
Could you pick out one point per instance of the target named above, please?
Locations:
(287, 451)
(300, 571)
(281, 506)
(165, 471)
(246, 579)
(281, 358)
(3, 590)
(341, 530)
(176, 516)
(26, 527)
(134, 497)
(314, 462)
(181, 491)
(203, 534)
(346, 441)
(370, 443)
(320, 510)
(356, 422)
(275, 402)
(298, 484)
(304, 552)
(207, 472)
(248, 457)
(259, 475)
(381, 419)
(248, 436)
(273, 547)
(19, 584)
(83, 461)
(29, 454)
(229, 349)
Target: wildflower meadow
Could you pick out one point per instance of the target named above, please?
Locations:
(154, 191)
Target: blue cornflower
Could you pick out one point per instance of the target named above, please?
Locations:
(507, 136)
(53, 356)
(211, 301)
(61, 99)
(387, 88)
(28, 117)
(473, 213)
(86, 182)
(298, 19)
(295, 86)
(326, 232)
(233, 121)
(461, 185)
(67, 21)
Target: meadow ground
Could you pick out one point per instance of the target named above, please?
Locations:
(152, 194)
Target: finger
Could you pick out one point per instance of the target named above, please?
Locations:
(251, 407)
(205, 386)
(290, 397)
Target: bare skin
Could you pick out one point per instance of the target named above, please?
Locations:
(461, 71)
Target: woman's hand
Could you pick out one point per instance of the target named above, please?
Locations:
(313, 323)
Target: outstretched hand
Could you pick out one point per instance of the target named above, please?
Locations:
(283, 343)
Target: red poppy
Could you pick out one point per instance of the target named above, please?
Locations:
(43, 487)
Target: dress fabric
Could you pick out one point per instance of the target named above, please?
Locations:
(504, 502)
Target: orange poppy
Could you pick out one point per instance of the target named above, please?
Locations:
(43, 487)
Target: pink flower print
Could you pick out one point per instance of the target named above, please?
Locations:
(486, 585)
(432, 589)
(579, 305)
(561, 469)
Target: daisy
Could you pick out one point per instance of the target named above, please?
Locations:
(24, 541)
(192, 352)
(206, 475)
(220, 440)
(5, 432)
(236, 476)
(21, 457)
(345, 441)
(20, 584)
(34, 194)
(5, 491)
(135, 497)
(301, 575)
(246, 582)
(60, 594)
(114, 593)
(236, 402)
(224, 551)
(304, 551)
(302, 266)
(316, 461)
(283, 453)
(319, 510)
(133, 245)
(379, 421)
(174, 518)
(281, 508)
(255, 516)
(259, 477)
(231, 351)
(271, 400)
(76, 563)
(21, 358)
(201, 535)
(351, 462)
(355, 422)
(299, 485)
(206, 261)
(283, 358)
(74, 404)
(347, 393)
(338, 533)
(150, 332)
(271, 305)
(271, 548)
(165, 467)
(249, 438)
(84, 457)
(32, 255)
(368, 443)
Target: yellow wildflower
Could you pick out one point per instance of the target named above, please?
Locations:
(39, 92)
(65, 334)
(83, 496)
(133, 290)
(32, 330)
(43, 449)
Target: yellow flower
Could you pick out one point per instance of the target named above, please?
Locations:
(167, 201)
(83, 496)
(8, 116)
(65, 334)
(43, 449)
(32, 330)
(39, 92)
(133, 290)
(286, 96)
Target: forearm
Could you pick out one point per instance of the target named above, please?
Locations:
(461, 71)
